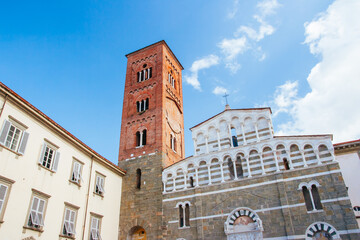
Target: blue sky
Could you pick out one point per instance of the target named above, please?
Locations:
(298, 57)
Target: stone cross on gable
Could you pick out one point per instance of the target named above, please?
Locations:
(225, 96)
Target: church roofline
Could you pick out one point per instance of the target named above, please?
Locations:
(241, 109)
(177, 162)
(55, 126)
(154, 44)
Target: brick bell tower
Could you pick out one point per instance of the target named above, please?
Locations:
(152, 117)
(152, 137)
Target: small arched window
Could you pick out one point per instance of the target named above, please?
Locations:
(316, 197)
(144, 137)
(311, 196)
(307, 198)
(138, 137)
(181, 216)
(184, 215)
(234, 137)
(191, 181)
(286, 164)
(144, 74)
(187, 214)
(138, 178)
(142, 105)
(147, 104)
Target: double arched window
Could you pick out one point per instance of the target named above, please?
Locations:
(142, 105)
(184, 214)
(311, 195)
(141, 138)
(144, 74)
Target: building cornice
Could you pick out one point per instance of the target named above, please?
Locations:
(43, 118)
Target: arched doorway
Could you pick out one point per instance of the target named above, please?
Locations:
(137, 233)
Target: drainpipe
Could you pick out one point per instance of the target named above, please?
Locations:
(87, 198)
(3, 106)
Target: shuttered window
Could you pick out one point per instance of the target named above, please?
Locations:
(49, 157)
(76, 172)
(36, 216)
(99, 185)
(13, 137)
(3, 192)
(95, 229)
(69, 222)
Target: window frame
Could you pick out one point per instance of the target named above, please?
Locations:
(98, 229)
(72, 208)
(22, 138)
(8, 184)
(183, 209)
(99, 190)
(81, 166)
(310, 200)
(54, 159)
(41, 197)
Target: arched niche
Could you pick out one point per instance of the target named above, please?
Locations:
(137, 233)
(243, 223)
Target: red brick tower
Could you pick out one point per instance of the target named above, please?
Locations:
(152, 118)
(152, 137)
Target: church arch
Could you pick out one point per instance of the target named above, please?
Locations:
(321, 229)
(137, 233)
(243, 222)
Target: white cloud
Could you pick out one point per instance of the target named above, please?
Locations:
(234, 9)
(198, 65)
(332, 105)
(246, 37)
(285, 97)
(267, 7)
(231, 48)
(265, 29)
(219, 90)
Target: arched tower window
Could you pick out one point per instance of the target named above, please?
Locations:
(138, 178)
(144, 137)
(142, 105)
(138, 139)
(141, 138)
(234, 137)
(144, 74)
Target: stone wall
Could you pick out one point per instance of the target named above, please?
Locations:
(276, 199)
(142, 207)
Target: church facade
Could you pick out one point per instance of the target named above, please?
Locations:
(242, 182)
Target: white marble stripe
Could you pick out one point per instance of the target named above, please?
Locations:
(350, 231)
(265, 209)
(251, 185)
